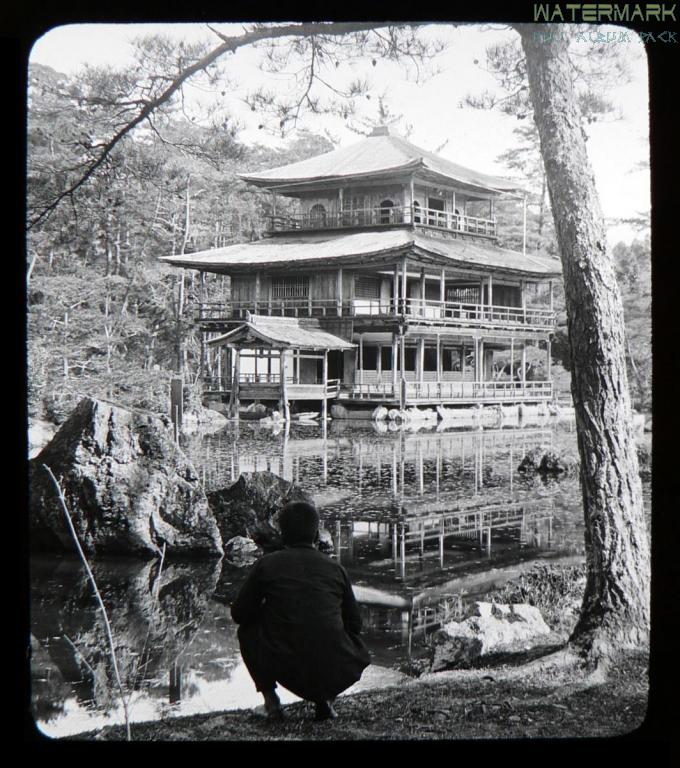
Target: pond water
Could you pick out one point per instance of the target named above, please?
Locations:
(423, 519)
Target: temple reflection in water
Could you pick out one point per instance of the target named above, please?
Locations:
(411, 497)
(424, 521)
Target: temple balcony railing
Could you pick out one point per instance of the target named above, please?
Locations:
(267, 386)
(358, 218)
(415, 392)
(418, 311)
(270, 383)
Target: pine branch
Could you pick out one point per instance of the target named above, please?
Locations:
(229, 44)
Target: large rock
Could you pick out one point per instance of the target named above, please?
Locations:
(251, 507)
(379, 413)
(128, 487)
(39, 434)
(488, 628)
(203, 420)
(546, 462)
(241, 551)
(339, 412)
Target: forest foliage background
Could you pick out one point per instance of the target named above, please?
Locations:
(107, 319)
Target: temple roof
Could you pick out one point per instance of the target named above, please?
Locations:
(379, 154)
(282, 333)
(328, 249)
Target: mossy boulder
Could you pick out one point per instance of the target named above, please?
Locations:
(129, 488)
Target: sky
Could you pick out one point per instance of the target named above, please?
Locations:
(470, 137)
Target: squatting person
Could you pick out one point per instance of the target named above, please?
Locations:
(299, 621)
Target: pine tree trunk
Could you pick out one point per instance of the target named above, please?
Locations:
(541, 214)
(615, 610)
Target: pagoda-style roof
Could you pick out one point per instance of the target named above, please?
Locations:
(282, 333)
(370, 246)
(380, 155)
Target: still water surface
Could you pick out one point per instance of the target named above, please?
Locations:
(422, 519)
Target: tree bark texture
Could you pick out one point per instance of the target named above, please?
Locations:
(615, 610)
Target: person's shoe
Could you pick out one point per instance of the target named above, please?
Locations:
(324, 711)
(272, 706)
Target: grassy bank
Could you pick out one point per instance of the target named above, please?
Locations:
(497, 702)
(526, 694)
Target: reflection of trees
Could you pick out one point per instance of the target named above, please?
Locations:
(49, 690)
(149, 634)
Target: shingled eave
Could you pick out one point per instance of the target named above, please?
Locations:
(282, 333)
(375, 157)
(360, 248)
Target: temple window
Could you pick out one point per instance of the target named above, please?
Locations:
(386, 211)
(290, 287)
(317, 215)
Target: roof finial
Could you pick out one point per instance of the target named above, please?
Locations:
(380, 130)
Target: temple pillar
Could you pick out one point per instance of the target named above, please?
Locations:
(284, 388)
(481, 298)
(490, 296)
(361, 358)
(324, 377)
(234, 399)
(402, 364)
(487, 364)
(512, 357)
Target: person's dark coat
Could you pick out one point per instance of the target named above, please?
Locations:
(302, 623)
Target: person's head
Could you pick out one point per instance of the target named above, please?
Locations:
(299, 523)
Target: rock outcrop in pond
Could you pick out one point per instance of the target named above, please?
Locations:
(547, 462)
(128, 487)
(251, 506)
(241, 551)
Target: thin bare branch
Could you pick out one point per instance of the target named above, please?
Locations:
(107, 625)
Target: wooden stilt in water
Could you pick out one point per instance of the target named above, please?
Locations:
(402, 548)
(441, 542)
(395, 485)
(284, 391)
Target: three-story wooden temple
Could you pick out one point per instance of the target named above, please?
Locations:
(385, 286)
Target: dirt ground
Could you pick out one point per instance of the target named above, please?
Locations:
(527, 698)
